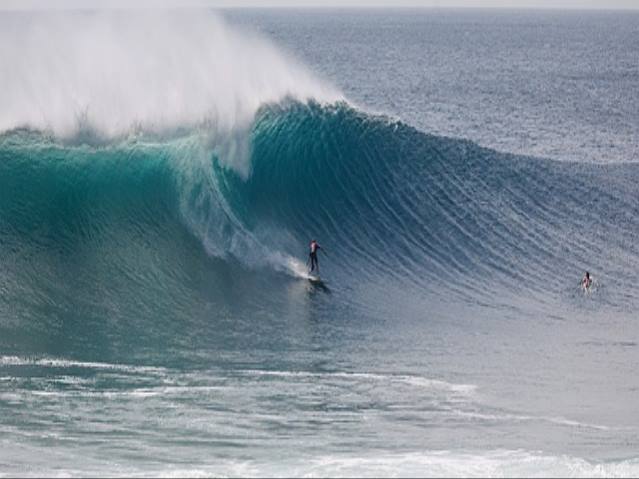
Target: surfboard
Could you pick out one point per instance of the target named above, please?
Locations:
(318, 283)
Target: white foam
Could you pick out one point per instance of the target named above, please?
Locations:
(561, 421)
(290, 265)
(161, 392)
(516, 463)
(417, 381)
(500, 463)
(66, 363)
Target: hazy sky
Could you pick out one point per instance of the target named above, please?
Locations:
(585, 4)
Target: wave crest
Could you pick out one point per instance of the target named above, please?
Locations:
(110, 74)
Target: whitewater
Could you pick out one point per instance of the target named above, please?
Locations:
(161, 175)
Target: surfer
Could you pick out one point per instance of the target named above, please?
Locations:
(313, 255)
(587, 281)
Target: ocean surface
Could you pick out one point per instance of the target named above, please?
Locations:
(161, 176)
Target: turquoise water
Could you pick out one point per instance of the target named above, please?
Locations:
(154, 314)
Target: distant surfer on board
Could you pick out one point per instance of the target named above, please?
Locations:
(313, 256)
(587, 281)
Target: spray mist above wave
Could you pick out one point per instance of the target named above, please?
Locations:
(113, 73)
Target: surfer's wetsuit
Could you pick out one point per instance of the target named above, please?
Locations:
(313, 255)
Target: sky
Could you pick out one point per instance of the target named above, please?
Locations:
(72, 4)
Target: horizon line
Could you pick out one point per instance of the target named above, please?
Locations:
(322, 7)
(565, 5)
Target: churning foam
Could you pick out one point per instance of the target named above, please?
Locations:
(113, 73)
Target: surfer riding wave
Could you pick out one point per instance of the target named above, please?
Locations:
(312, 256)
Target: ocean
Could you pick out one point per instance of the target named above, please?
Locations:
(162, 174)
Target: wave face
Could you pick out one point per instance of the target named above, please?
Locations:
(394, 202)
(218, 139)
(386, 201)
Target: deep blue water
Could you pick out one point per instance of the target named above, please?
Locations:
(461, 170)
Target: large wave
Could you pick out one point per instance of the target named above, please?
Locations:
(146, 138)
(387, 201)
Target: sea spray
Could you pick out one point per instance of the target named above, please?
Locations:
(102, 75)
